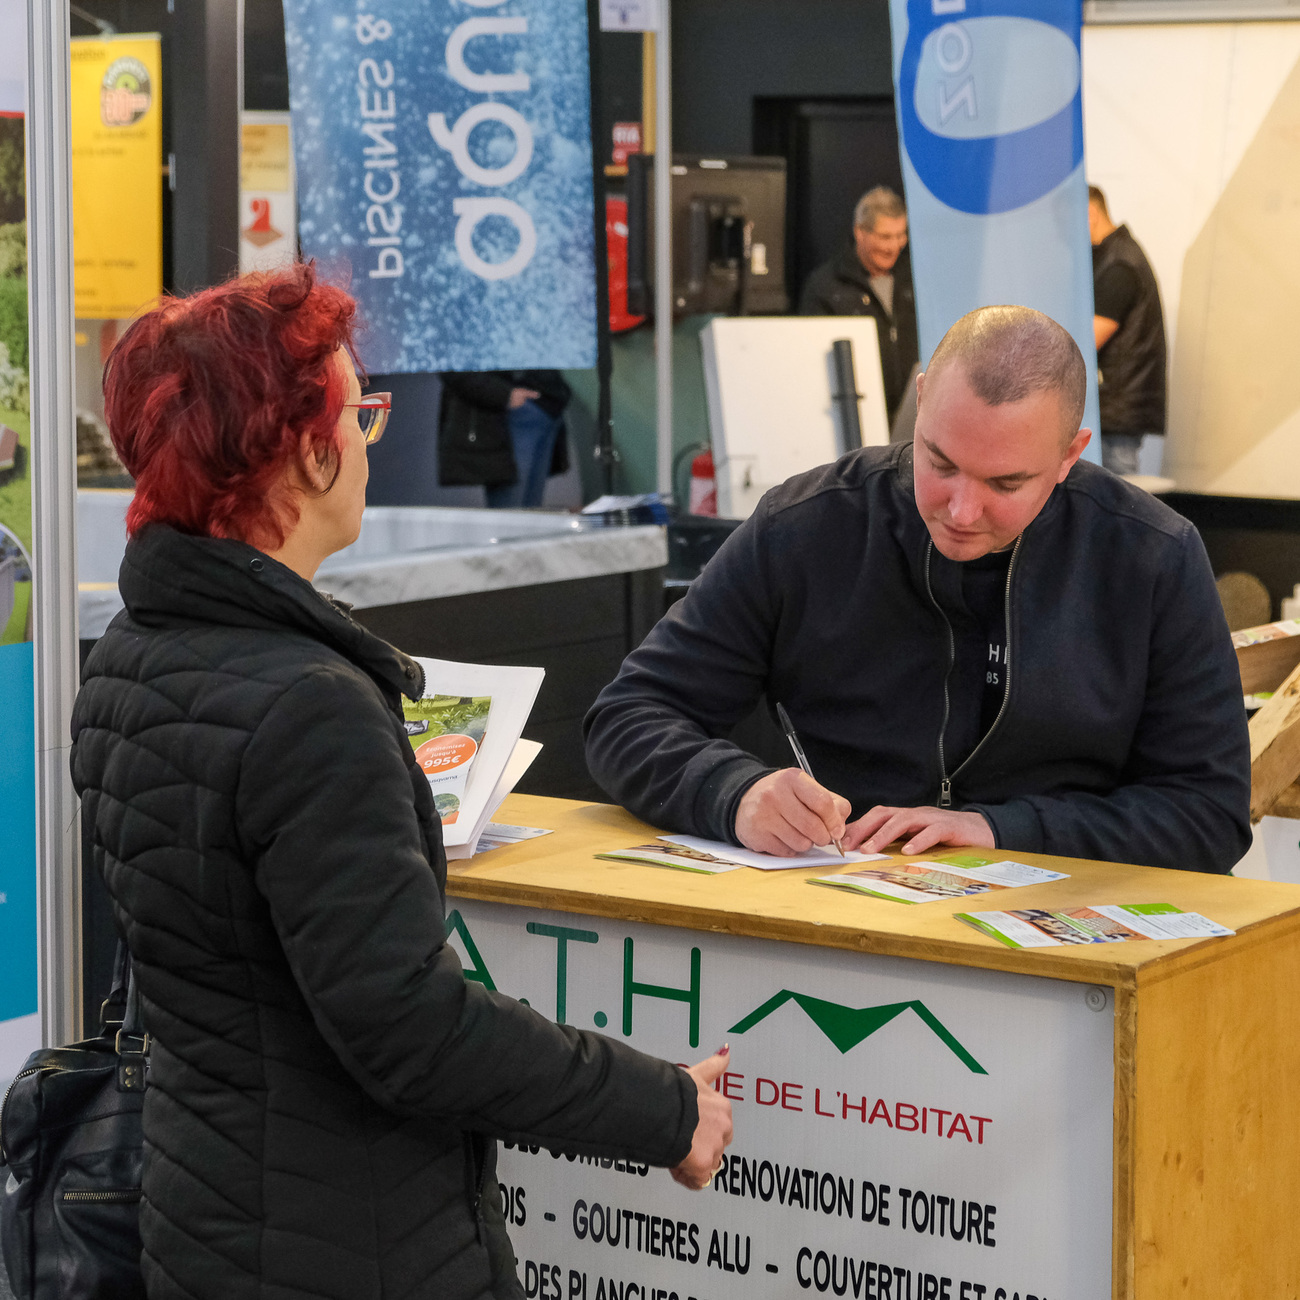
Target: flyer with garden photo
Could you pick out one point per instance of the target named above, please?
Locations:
(1120, 923)
(466, 732)
(922, 882)
(447, 731)
(684, 858)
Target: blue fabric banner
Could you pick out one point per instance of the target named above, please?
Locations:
(17, 839)
(443, 150)
(990, 119)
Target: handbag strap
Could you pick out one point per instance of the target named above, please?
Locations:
(132, 1042)
(112, 1011)
(132, 1020)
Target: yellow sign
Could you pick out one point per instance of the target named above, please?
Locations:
(116, 175)
(264, 158)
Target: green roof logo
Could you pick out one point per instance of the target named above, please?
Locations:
(846, 1027)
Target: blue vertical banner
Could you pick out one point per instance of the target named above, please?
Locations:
(990, 119)
(443, 150)
(19, 1023)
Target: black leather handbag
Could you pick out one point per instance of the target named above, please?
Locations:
(70, 1134)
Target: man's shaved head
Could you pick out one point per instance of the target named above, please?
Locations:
(1008, 353)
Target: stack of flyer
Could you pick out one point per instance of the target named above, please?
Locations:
(712, 857)
(1118, 923)
(955, 876)
(466, 732)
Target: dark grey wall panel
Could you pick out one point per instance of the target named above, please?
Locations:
(727, 52)
(205, 139)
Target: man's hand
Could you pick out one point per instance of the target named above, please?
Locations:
(713, 1131)
(518, 396)
(925, 828)
(787, 813)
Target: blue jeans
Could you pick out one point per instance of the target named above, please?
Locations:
(532, 438)
(1119, 452)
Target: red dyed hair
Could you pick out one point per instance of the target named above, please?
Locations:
(206, 398)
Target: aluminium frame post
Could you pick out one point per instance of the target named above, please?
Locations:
(663, 296)
(54, 513)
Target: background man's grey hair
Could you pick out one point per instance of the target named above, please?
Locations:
(1007, 353)
(880, 202)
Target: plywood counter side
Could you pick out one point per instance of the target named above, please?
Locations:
(561, 871)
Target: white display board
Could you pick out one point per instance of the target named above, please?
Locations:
(1193, 132)
(902, 1128)
(769, 381)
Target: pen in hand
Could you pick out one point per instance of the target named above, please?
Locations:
(800, 757)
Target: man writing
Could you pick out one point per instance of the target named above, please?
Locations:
(871, 277)
(981, 639)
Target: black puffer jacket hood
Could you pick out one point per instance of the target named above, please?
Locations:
(325, 1083)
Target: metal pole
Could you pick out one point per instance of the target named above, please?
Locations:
(54, 516)
(604, 450)
(664, 304)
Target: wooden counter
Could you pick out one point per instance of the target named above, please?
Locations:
(1206, 1159)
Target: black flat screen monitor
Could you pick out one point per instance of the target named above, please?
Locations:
(728, 235)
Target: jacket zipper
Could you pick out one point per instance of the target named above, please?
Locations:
(4, 1105)
(110, 1195)
(945, 781)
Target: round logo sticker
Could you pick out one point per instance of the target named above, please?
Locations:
(990, 100)
(445, 753)
(125, 93)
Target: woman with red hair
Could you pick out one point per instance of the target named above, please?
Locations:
(324, 1084)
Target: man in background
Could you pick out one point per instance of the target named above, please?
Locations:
(872, 277)
(505, 430)
(1129, 327)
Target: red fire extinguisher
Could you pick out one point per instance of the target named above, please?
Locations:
(704, 488)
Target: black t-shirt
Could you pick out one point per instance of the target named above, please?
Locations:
(1115, 291)
(977, 683)
(984, 588)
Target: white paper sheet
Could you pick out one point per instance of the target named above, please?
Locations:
(818, 857)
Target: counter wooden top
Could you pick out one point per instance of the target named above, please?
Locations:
(560, 871)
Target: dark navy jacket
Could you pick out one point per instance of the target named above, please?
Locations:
(1123, 735)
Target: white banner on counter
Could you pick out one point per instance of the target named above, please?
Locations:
(903, 1130)
(990, 121)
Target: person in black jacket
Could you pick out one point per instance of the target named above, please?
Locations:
(1129, 331)
(325, 1083)
(872, 276)
(980, 638)
(504, 429)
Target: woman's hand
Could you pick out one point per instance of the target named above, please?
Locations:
(713, 1132)
(518, 396)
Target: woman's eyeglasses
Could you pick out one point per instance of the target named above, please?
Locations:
(372, 415)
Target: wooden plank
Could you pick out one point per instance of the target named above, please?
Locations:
(1287, 803)
(1275, 746)
(1216, 1143)
(561, 871)
(1266, 655)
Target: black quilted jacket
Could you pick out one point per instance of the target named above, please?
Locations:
(325, 1083)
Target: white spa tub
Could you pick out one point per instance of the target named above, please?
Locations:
(404, 553)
